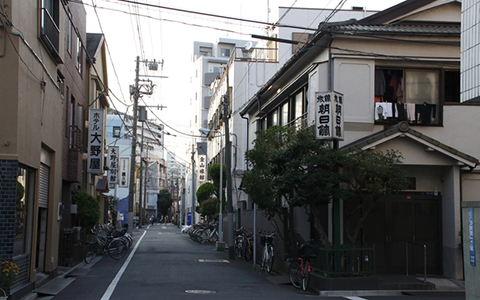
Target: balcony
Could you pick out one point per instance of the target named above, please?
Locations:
(264, 55)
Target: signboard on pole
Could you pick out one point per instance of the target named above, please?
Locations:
(95, 141)
(123, 173)
(113, 164)
(329, 115)
(202, 168)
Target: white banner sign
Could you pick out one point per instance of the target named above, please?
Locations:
(95, 141)
(123, 172)
(329, 115)
(202, 168)
(113, 164)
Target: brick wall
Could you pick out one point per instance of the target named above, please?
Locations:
(8, 195)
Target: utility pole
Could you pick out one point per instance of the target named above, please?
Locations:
(131, 187)
(135, 92)
(228, 162)
(193, 184)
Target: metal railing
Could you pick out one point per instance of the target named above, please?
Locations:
(353, 262)
(424, 258)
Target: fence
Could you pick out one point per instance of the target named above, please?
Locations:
(351, 262)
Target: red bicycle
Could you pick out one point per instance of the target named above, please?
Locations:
(300, 267)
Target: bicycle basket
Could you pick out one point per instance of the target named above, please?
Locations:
(308, 251)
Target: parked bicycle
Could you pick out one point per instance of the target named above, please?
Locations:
(300, 266)
(107, 240)
(204, 233)
(243, 243)
(268, 252)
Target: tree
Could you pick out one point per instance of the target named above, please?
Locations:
(164, 201)
(214, 172)
(88, 209)
(208, 205)
(292, 167)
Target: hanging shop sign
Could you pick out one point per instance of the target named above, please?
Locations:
(202, 168)
(123, 172)
(95, 141)
(329, 115)
(113, 164)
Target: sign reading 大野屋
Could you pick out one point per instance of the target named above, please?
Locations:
(95, 141)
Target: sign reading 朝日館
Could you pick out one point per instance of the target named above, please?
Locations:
(329, 115)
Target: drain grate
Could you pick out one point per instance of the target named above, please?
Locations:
(199, 292)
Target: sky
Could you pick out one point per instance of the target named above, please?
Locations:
(152, 31)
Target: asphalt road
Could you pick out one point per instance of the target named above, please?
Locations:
(167, 264)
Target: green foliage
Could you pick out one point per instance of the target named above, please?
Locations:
(88, 209)
(164, 201)
(294, 166)
(205, 192)
(209, 208)
(112, 208)
(20, 191)
(8, 272)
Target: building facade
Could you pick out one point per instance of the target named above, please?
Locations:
(400, 91)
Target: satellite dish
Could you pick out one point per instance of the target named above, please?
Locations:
(248, 45)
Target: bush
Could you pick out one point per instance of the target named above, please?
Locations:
(88, 209)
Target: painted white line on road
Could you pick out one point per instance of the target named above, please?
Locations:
(113, 284)
(354, 298)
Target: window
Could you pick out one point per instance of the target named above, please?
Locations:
(79, 62)
(290, 112)
(70, 35)
(49, 31)
(225, 52)
(411, 95)
(116, 131)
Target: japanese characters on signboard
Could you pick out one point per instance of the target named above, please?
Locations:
(113, 164)
(95, 141)
(123, 172)
(329, 115)
(202, 168)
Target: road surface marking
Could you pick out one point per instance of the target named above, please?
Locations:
(214, 260)
(113, 284)
(354, 298)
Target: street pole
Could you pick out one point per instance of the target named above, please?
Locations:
(131, 188)
(182, 210)
(228, 162)
(141, 182)
(193, 184)
(220, 214)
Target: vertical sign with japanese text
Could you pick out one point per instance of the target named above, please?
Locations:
(202, 168)
(113, 164)
(471, 237)
(95, 141)
(123, 172)
(329, 115)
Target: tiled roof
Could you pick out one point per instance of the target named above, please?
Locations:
(451, 29)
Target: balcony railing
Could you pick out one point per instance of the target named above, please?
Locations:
(76, 137)
(256, 55)
(50, 34)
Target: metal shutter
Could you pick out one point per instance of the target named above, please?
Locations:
(43, 186)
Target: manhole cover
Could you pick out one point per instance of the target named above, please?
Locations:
(199, 292)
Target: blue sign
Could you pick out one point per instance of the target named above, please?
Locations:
(189, 218)
(471, 237)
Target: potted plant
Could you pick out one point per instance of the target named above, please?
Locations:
(8, 273)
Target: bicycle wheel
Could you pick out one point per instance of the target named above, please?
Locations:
(305, 275)
(269, 261)
(294, 273)
(117, 248)
(248, 250)
(90, 252)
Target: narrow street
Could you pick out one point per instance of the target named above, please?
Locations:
(167, 264)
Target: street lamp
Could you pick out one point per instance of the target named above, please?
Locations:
(220, 215)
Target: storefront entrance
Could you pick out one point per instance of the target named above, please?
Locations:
(401, 228)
